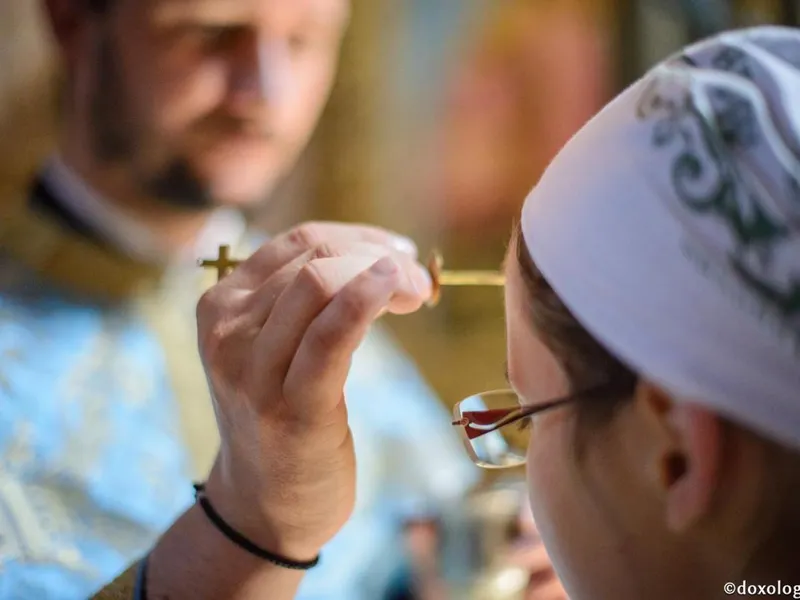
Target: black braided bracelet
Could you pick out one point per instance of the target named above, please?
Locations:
(140, 591)
(241, 541)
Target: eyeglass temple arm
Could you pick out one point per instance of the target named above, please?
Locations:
(480, 422)
(475, 422)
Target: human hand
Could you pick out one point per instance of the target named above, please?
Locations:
(276, 337)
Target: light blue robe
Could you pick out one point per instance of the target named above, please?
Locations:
(97, 454)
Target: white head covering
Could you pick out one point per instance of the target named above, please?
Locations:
(670, 227)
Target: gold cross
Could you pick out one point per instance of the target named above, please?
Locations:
(224, 264)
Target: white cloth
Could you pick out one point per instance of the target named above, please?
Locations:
(130, 236)
(670, 227)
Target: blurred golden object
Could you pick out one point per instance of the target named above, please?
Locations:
(440, 277)
(224, 264)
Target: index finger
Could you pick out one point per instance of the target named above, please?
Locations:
(289, 245)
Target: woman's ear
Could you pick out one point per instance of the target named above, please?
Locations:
(690, 496)
(685, 454)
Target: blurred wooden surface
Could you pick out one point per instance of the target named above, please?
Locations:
(27, 123)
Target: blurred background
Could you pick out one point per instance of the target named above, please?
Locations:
(448, 111)
(444, 115)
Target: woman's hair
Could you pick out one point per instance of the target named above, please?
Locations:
(585, 361)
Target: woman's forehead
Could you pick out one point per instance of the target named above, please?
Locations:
(511, 252)
(514, 291)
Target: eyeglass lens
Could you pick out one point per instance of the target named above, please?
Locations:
(492, 446)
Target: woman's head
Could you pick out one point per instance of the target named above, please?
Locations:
(660, 254)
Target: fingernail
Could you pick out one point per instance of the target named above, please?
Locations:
(422, 281)
(385, 266)
(404, 244)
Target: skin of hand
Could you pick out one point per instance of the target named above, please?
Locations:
(276, 337)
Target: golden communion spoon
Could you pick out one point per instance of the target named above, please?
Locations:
(442, 277)
(223, 264)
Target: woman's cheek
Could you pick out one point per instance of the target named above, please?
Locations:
(551, 486)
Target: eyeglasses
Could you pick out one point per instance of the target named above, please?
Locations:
(496, 427)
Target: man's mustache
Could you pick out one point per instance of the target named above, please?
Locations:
(226, 125)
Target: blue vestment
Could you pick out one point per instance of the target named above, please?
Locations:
(106, 422)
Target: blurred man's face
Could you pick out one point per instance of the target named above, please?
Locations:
(206, 102)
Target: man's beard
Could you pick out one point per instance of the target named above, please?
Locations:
(113, 137)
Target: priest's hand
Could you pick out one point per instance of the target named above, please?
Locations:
(276, 338)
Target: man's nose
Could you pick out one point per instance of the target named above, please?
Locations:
(262, 70)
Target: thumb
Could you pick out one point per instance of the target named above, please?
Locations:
(415, 286)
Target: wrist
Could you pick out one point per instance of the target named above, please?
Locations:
(193, 560)
(245, 513)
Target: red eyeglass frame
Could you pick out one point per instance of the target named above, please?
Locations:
(477, 423)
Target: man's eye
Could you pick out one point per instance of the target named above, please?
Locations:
(210, 35)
